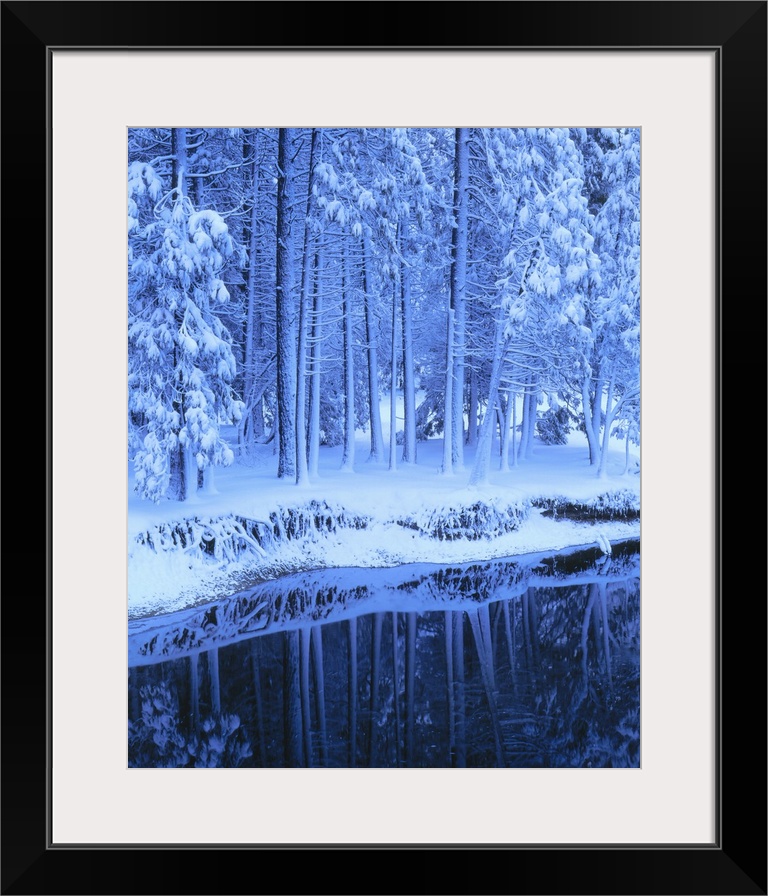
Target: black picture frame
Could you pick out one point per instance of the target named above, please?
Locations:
(736, 862)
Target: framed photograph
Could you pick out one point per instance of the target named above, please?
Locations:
(679, 88)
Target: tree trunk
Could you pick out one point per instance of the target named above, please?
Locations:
(209, 481)
(458, 288)
(458, 671)
(513, 440)
(285, 307)
(256, 672)
(504, 456)
(190, 475)
(177, 488)
(474, 403)
(396, 688)
(306, 707)
(409, 374)
(248, 428)
(484, 619)
(352, 691)
(317, 652)
(449, 690)
(486, 671)
(194, 694)
(526, 423)
(314, 400)
(213, 674)
(509, 631)
(534, 402)
(302, 470)
(448, 409)
(377, 438)
(348, 457)
(373, 741)
(601, 590)
(592, 596)
(410, 688)
(393, 393)
(482, 465)
(527, 632)
(292, 730)
(533, 619)
(592, 440)
(626, 452)
(610, 412)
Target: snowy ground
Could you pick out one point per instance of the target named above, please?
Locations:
(165, 581)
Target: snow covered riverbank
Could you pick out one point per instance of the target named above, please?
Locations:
(256, 527)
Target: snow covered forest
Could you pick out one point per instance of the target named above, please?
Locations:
(286, 284)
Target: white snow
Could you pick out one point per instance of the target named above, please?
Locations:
(169, 580)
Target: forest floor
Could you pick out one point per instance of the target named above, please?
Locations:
(399, 508)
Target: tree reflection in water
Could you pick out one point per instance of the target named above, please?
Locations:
(500, 673)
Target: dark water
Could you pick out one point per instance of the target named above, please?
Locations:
(531, 663)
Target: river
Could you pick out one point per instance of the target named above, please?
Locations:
(524, 662)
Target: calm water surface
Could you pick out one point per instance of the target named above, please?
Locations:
(529, 663)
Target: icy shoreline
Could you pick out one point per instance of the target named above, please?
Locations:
(179, 574)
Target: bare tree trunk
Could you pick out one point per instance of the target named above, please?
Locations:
(610, 413)
(396, 687)
(458, 288)
(513, 397)
(194, 694)
(292, 729)
(601, 590)
(527, 632)
(510, 633)
(504, 456)
(458, 667)
(393, 395)
(285, 307)
(484, 619)
(252, 422)
(348, 458)
(410, 688)
(592, 595)
(317, 651)
(533, 618)
(377, 438)
(481, 468)
(134, 703)
(314, 403)
(409, 386)
(533, 398)
(256, 672)
(450, 698)
(352, 691)
(448, 452)
(213, 673)
(483, 654)
(592, 440)
(522, 448)
(373, 741)
(306, 709)
(302, 470)
(474, 405)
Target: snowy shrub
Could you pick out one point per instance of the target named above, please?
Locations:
(623, 504)
(554, 426)
(430, 415)
(155, 740)
(471, 522)
(314, 517)
(220, 540)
